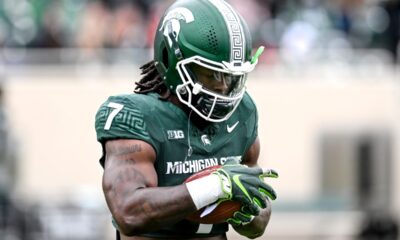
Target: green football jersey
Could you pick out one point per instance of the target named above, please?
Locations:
(181, 148)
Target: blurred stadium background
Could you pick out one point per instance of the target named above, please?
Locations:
(327, 90)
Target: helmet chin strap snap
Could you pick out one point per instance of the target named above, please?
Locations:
(181, 89)
(196, 88)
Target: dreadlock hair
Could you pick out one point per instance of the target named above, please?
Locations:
(151, 81)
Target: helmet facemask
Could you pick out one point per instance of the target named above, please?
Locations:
(213, 90)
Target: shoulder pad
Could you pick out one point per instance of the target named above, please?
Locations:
(122, 116)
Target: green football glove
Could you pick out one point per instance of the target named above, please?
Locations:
(243, 217)
(240, 218)
(245, 185)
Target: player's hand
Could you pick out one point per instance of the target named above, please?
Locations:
(240, 218)
(245, 185)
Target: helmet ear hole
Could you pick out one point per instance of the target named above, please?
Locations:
(165, 57)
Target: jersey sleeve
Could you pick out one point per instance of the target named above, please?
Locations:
(255, 119)
(252, 121)
(121, 118)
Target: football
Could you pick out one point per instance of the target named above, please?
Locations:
(213, 213)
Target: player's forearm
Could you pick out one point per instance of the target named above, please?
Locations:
(130, 188)
(257, 227)
(148, 209)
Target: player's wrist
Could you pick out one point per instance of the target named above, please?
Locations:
(205, 190)
(225, 183)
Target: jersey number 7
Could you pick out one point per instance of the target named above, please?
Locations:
(116, 109)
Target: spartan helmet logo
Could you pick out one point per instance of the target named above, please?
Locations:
(205, 140)
(171, 23)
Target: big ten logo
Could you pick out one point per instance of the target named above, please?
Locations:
(175, 134)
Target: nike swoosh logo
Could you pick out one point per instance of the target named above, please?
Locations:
(230, 128)
(236, 179)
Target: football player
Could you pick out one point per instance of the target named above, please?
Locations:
(190, 111)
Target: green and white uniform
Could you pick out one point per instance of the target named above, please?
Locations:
(168, 130)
